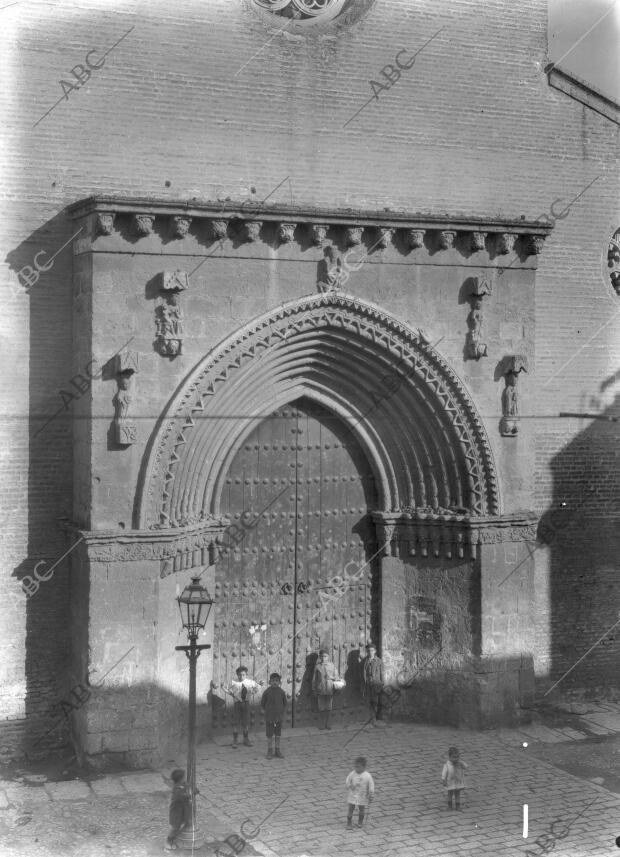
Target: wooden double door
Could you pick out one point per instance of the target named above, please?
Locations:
(298, 494)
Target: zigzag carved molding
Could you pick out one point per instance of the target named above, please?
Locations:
(427, 437)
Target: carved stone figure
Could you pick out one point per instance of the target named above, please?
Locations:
(333, 275)
(510, 399)
(475, 347)
(125, 430)
(219, 229)
(168, 314)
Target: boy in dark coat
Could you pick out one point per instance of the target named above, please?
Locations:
(180, 814)
(273, 703)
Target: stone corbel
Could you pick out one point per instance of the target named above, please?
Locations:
(180, 225)
(168, 313)
(143, 223)
(513, 365)
(535, 244)
(477, 241)
(415, 238)
(104, 222)
(219, 229)
(505, 242)
(385, 237)
(353, 235)
(125, 366)
(446, 239)
(252, 230)
(286, 232)
(319, 234)
(474, 346)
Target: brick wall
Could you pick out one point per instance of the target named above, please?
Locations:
(472, 128)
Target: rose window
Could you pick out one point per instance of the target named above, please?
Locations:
(613, 261)
(297, 16)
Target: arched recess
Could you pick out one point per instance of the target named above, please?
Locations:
(411, 414)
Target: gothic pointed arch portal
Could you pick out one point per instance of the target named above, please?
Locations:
(311, 429)
(411, 415)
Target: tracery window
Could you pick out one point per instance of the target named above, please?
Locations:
(307, 14)
(613, 261)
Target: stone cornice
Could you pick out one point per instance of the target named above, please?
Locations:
(445, 532)
(301, 214)
(137, 219)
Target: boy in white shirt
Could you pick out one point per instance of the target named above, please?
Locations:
(239, 690)
(360, 792)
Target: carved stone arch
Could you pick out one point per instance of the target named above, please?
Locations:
(408, 409)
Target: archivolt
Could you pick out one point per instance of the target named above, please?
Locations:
(409, 411)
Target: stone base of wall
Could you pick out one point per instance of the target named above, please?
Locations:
(485, 693)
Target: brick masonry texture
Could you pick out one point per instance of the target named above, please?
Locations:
(199, 101)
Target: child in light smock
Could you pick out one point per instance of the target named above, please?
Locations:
(360, 792)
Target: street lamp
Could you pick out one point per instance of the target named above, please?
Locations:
(195, 604)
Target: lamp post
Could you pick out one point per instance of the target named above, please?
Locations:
(195, 604)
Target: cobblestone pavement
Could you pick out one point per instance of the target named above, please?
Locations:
(126, 814)
(408, 815)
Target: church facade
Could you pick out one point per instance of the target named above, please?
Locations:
(365, 393)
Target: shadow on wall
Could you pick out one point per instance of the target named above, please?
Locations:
(41, 269)
(583, 534)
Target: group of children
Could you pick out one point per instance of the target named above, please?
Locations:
(359, 783)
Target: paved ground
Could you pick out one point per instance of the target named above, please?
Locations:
(126, 814)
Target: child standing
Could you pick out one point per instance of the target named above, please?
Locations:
(180, 814)
(273, 703)
(453, 777)
(360, 792)
(239, 690)
(323, 686)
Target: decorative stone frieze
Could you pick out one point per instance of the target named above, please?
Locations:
(477, 241)
(347, 226)
(438, 532)
(415, 238)
(354, 235)
(446, 239)
(143, 223)
(286, 232)
(104, 222)
(319, 234)
(180, 225)
(505, 242)
(177, 550)
(252, 230)
(475, 348)
(168, 313)
(125, 367)
(513, 365)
